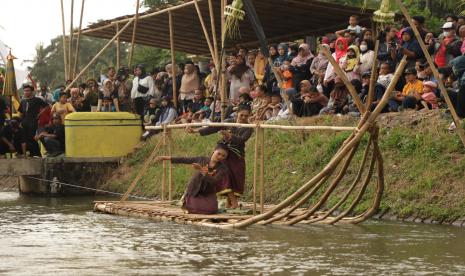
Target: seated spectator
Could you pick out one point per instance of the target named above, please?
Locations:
(108, 93)
(286, 111)
(167, 113)
(259, 104)
(205, 111)
(310, 102)
(56, 93)
(53, 137)
(62, 107)
(367, 56)
(274, 107)
(187, 117)
(352, 63)
(461, 32)
(338, 98)
(12, 139)
(428, 98)
(319, 65)
(152, 113)
(411, 93)
(300, 65)
(91, 95)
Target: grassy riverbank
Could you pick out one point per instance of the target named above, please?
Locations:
(424, 164)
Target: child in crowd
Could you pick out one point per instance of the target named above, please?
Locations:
(107, 105)
(352, 63)
(338, 98)
(428, 98)
(187, 117)
(274, 106)
(287, 75)
(198, 100)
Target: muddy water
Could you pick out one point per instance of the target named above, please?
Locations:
(62, 236)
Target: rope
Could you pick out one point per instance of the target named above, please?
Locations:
(87, 188)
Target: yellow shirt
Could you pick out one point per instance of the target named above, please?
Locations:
(62, 109)
(409, 88)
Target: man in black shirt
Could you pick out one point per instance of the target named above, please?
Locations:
(29, 110)
(53, 137)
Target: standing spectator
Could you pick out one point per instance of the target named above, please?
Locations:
(388, 46)
(251, 59)
(419, 22)
(76, 100)
(300, 65)
(142, 87)
(62, 107)
(91, 95)
(29, 111)
(45, 95)
(169, 80)
(448, 47)
(167, 112)
(123, 88)
(461, 32)
(189, 83)
(282, 55)
(409, 47)
(240, 75)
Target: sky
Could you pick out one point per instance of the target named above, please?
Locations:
(26, 23)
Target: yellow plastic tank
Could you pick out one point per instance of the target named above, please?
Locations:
(101, 134)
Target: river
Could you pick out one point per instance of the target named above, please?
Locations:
(63, 236)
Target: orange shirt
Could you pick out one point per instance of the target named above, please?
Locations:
(409, 88)
(287, 83)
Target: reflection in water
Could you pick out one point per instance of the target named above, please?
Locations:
(43, 235)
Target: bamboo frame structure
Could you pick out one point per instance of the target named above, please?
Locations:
(163, 178)
(98, 55)
(262, 170)
(213, 27)
(173, 60)
(255, 170)
(205, 32)
(455, 117)
(78, 42)
(131, 50)
(65, 56)
(261, 126)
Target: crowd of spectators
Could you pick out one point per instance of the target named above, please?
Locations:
(310, 85)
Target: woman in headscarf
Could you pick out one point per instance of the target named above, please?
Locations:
(167, 112)
(189, 83)
(142, 88)
(340, 53)
(210, 172)
(259, 67)
(300, 65)
(410, 47)
(318, 66)
(91, 95)
(239, 75)
(235, 138)
(282, 55)
(351, 63)
(367, 56)
(270, 79)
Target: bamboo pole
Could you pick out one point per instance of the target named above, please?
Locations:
(65, 56)
(163, 179)
(205, 32)
(134, 29)
(213, 27)
(343, 76)
(170, 169)
(261, 126)
(98, 55)
(255, 169)
(262, 171)
(118, 45)
(173, 60)
(373, 77)
(222, 70)
(78, 39)
(148, 15)
(444, 93)
(142, 171)
(71, 36)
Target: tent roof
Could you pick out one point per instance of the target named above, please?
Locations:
(282, 20)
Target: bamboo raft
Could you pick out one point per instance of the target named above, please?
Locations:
(165, 211)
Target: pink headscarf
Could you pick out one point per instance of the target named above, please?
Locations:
(341, 53)
(306, 55)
